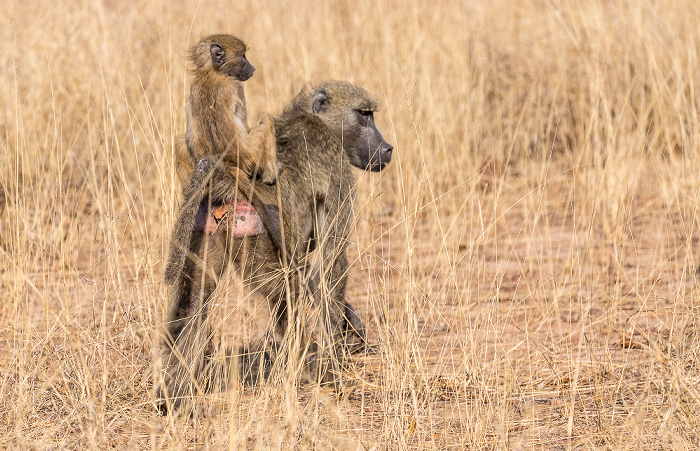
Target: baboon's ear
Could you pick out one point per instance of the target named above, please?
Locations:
(217, 55)
(320, 102)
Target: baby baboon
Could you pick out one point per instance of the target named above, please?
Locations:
(326, 129)
(217, 120)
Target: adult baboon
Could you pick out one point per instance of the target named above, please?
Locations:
(326, 129)
(217, 118)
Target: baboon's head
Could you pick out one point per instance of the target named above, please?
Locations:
(223, 53)
(349, 112)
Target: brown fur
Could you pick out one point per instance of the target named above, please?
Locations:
(217, 120)
(320, 135)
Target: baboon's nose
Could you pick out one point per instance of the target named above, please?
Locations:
(385, 153)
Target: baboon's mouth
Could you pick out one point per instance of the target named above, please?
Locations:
(238, 217)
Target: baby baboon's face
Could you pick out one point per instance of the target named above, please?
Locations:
(225, 54)
(228, 57)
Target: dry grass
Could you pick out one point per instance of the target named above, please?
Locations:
(527, 265)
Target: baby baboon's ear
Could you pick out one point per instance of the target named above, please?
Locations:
(320, 102)
(217, 55)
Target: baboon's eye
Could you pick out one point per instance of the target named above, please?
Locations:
(366, 117)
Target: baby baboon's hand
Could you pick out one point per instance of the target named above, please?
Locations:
(263, 119)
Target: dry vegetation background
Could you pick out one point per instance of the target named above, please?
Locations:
(526, 266)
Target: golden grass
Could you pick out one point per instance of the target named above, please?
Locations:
(527, 264)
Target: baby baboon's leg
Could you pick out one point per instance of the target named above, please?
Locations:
(262, 142)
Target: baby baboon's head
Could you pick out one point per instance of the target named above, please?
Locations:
(223, 53)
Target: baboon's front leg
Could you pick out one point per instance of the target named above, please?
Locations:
(340, 330)
(342, 324)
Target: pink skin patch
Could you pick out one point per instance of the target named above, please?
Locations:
(239, 217)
